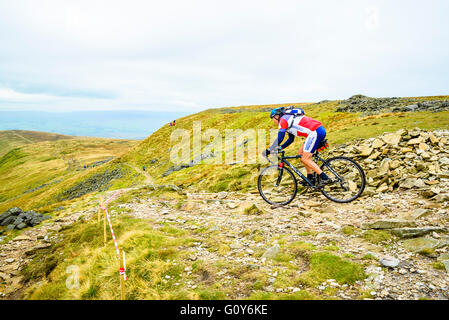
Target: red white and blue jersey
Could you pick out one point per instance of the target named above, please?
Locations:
(299, 126)
(296, 124)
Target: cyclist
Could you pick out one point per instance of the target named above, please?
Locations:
(296, 124)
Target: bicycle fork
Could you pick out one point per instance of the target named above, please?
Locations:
(281, 171)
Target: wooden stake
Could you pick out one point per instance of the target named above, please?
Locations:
(104, 227)
(122, 281)
(99, 209)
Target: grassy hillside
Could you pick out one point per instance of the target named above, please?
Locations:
(154, 153)
(341, 127)
(28, 171)
(11, 139)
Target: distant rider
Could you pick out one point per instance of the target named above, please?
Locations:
(296, 124)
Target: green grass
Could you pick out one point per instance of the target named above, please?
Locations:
(349, 230)
(300, 295)
(252, 210)
(377, 236)
(369, 257)
(438, 265)
(324, 265)
(150, 258)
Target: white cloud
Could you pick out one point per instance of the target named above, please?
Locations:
(192, 55)
(10, 95)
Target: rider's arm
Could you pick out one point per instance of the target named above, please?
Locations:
(291, 138)
(283, 126)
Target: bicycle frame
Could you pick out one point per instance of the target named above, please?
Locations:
(283, 159)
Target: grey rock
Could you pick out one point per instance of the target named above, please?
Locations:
(35, 221)
(100, 182)
(419, 213)
(21, 226)
(416, 232)
(443, 257)
(390, 262)
(408, 183)
(442, 197)
(8, 220)
(14, 211)
(419, 244)
(389, 224)
(368, 105)
(4, 216)
(222, 195)
(38, 247)
(412, 107)
(17, 221)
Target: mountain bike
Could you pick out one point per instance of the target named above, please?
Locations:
(278, 185)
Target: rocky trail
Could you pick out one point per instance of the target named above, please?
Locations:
(411, 275)
(397, 271)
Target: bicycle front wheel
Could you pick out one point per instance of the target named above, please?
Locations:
(349, 180)
(277, 186)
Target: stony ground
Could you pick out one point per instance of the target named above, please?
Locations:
(310, 218)
(413, 278)
(16, 253)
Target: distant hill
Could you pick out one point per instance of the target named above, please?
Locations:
(11, 139)
(33, 162)
(120, 124)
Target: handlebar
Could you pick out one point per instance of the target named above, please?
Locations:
(282, 153)
(282, 156)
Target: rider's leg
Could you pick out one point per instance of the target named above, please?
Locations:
(309, 147)
(308, 168)
(310, 164)
(306, 159)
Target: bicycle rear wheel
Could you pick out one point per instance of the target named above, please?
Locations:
(349, 180)
(277, 186)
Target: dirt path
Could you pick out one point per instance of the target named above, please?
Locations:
(148, 178)
(22, 137)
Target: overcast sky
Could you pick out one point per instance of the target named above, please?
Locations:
(192, 55)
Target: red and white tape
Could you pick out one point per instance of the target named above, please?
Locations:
(103, 206)
(123, 270)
